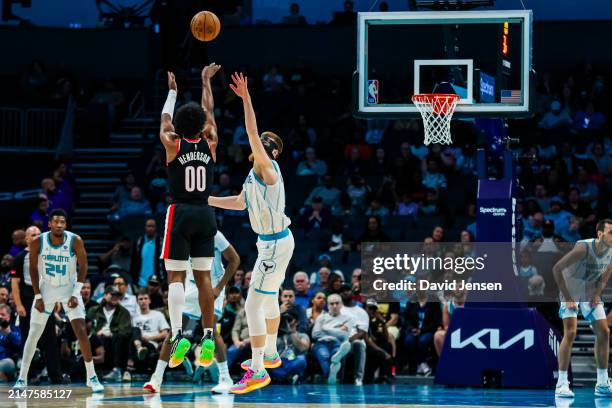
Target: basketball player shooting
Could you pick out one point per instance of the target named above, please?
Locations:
(53, 267)
(592, 259)
(190, 228)
(263, 195)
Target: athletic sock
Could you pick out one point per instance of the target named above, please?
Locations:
(271, 345)
(208, 332)
(602, 376)
(176, 304)
(223, 370)
(159, 369)
(257, 359)
(29, 348)
(89, 367)
(562, 377)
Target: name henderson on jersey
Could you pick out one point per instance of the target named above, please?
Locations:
(191, 156)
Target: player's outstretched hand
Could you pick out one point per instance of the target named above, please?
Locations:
(209, 71)
(73, 302)
(240, 85)
(171, 81)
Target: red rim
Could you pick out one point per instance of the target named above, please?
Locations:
(433, 97)
(442, 103)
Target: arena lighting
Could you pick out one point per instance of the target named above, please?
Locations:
(450, 4)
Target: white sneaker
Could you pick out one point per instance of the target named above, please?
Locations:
(604, 390)
(333, 372)
(95, 384)
(563, 390)
(358, 382)
(153, 386)
(20, 384)
(224, 386)
(113, 376)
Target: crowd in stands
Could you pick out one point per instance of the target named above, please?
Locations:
(363, 178)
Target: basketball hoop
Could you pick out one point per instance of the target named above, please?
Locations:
(437, 111)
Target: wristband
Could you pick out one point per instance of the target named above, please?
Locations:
(37, 296)
(170, 102)
(76, 292)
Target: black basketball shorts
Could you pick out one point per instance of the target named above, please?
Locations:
(189, 232)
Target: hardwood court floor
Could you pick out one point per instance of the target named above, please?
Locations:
(301, 396)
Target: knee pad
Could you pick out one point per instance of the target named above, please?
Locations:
(255, 318)
(201, 264)
(174, 265)
(271, 308)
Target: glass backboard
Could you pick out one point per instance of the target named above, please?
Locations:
(484, 55)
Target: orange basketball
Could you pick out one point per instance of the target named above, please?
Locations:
(205, 26)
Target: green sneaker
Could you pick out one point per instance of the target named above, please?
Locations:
(207, 350)
(180, 347)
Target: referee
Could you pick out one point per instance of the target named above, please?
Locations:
(21, 286)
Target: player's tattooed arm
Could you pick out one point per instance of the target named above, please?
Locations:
(571, 258)
(601, 285)
(34, 249)
(166, 130)
(208, 104)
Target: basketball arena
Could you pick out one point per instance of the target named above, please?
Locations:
(311, 203)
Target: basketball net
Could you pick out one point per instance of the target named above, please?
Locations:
(437, 111)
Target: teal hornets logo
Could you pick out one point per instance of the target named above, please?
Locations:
(267, 267)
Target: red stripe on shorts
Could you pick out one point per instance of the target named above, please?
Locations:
(168, 232)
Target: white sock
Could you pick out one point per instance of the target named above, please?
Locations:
(176, 304)
(562, 377)
(29, 348)
(89, 367)
(159, 369)
(257, 358)
(208, 332)
(271, 344)
(602, 376)
(223, 370)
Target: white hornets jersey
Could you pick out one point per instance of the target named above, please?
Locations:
(57, 265)
(266, 204)
(595, 264)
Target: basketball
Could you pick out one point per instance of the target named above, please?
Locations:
(205, 26)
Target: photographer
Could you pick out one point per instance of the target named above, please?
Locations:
(292, 347)
(9, 344)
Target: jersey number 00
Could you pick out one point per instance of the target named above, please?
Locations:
(195, 178)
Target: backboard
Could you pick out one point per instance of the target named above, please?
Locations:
(485, 55)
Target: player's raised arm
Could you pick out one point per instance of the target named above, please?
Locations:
(577, 253)
(262, 160)
(208, 105)
(166, 129)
